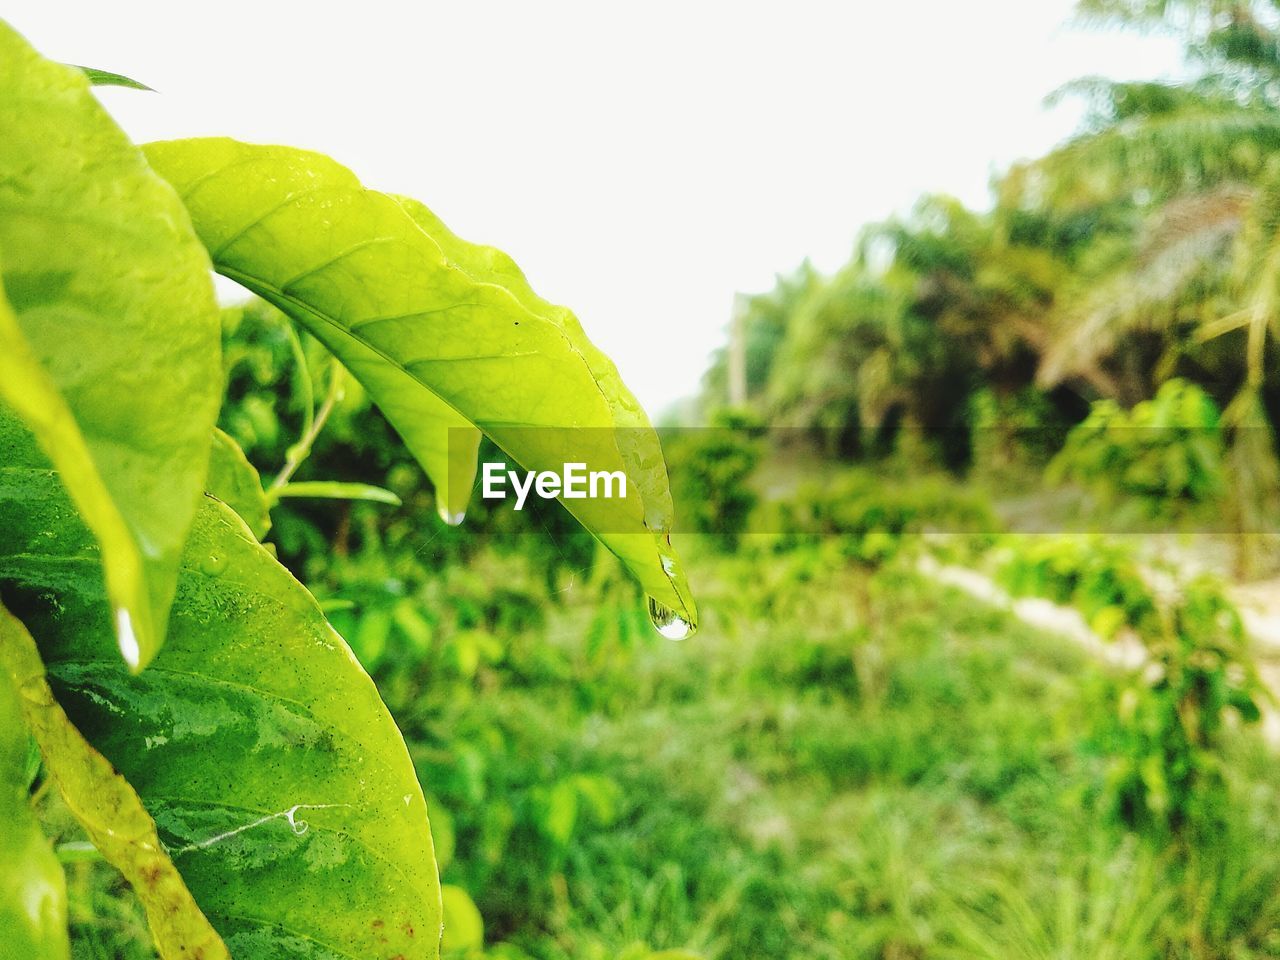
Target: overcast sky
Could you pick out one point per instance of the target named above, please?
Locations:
(640, 161)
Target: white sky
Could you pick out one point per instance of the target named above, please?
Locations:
(640, 161)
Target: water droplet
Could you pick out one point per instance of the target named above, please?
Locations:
(127, 639)
(214, 564)
(667, 622)
(452, 519)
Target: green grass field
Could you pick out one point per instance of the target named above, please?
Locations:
(916, 785)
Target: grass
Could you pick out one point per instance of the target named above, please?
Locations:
(801, 782)
(911, 786)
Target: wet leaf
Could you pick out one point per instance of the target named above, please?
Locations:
(235, 481)
(113, 310)
(278, 781)
(33, 895)
(442, 333)
(106, 805)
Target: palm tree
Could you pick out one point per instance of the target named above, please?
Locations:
(930, 308)
(1196, 167)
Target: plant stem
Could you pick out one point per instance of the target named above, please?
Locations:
(302, 449)
(304, 378)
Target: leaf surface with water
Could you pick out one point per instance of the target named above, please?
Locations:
(112, 346)
(277, 779)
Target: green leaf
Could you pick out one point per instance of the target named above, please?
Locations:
(235, 481)
(105, 78)
(430, 325)
(463, 925)
(336, 490)
(106, 805)
(443, 440)
(278, 781)
(112, 298)
(33, 895)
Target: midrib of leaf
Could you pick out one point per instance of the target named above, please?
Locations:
(266, 289)
(319, 282)
(274, 294)
(277, 297)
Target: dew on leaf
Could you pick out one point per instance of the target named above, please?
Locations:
(667, 622)
(213, 564)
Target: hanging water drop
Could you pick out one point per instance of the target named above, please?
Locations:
(213, 564)
(452, 519)
(667, 622)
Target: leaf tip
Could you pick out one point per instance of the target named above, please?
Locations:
(453, 518)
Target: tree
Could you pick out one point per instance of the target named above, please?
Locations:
(764, 327)
(1197, 290)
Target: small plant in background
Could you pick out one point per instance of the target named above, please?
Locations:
(874, 520)
(1161, 727)
(1014, 434)
(1099, 578)
(1163, 735)
(1161, 458)
(715, 466)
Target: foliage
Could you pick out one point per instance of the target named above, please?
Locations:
(1098, 577)
(1142, 249)
(1161, 726)
(774, 796)
(765, 320)
(714, 466)
(1015, 434)
(1165, 453)
(859, 761)
(872, 520)
(239, 767)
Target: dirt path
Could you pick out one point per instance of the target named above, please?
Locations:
(1259, 604)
